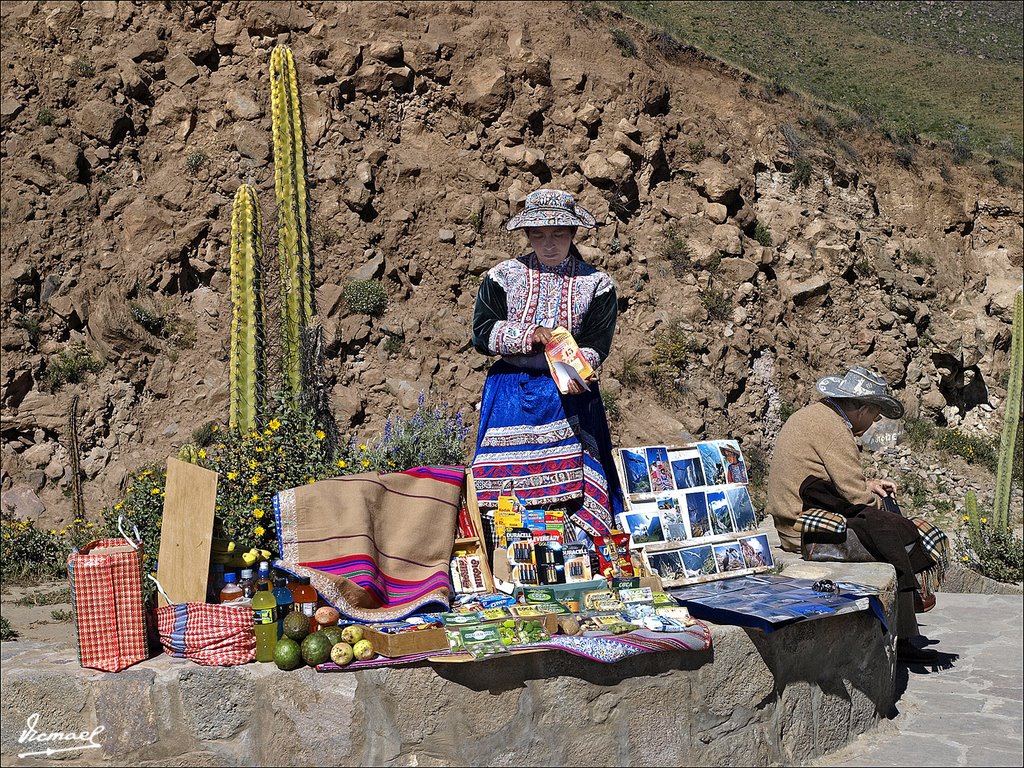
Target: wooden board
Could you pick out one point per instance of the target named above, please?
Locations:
(476, 544)
(186, 532)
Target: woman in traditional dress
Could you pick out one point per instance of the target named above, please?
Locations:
(550, 449)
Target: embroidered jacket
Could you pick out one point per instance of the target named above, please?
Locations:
(518, 295)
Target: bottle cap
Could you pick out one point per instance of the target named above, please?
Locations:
(264, 568)
(230, 577)
(247, 573)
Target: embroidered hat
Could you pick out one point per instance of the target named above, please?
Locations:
(551, 208)
(863, 384)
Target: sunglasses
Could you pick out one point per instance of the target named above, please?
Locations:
(825, 586)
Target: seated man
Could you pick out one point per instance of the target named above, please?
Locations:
(816, 466)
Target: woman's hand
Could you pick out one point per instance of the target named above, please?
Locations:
(882, 487)
(541, 335)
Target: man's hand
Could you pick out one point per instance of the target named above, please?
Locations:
(542, 335)
(882, 487)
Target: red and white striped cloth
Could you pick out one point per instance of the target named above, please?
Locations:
(106, 595)
(212, 635)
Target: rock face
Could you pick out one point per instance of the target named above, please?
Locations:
(426, 125)
(756, 699)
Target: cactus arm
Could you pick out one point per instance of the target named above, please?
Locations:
(1011, 418)
(973, 521)
(247, 366)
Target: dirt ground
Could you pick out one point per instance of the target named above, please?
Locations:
(30, 609)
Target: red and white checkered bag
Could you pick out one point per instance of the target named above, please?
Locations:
(213, 635)
(106, 595)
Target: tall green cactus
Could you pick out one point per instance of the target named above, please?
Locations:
(293, 243)
(248, 365)
(1007, 441)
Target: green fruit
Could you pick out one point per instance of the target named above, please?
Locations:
(352, 634)
(287, 654)
(334, 634)
(296, 626)
(316, 649)
(363, 650)
(341, 654)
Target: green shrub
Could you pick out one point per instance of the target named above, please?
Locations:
(671, 352)
(904, 156)
(31, 552)
(631, 373)
(802, 172)
(69, 367)
(697, 151)
(366, 297)
(394, 343)
(676, 250)
(432, 436)
(194, 161)
(763, 235)
(945, 173)
(31, 326)
(615, 245)
(611, 405)
(82, 68)
(998, 553)
(918, 432)
(786, 409)
(976, 450)
(57, 597)
(716, 303)
(915, 491)
(147, 317)
(62, 615)
(623, 42)
(961, 150)
(7, 632)
(45, 116)
(204, 434)
(143, 507)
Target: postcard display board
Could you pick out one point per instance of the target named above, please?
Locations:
(689, 511)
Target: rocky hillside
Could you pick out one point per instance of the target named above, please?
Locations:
(755, 244)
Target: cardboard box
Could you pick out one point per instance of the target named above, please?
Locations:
(432, 639)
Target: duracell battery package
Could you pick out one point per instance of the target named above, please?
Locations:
(521, 556)
(577, 563)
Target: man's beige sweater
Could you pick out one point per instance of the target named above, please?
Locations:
(814, 442)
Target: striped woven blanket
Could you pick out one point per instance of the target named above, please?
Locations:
(376, 547)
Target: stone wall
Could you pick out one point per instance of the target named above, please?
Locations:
(751, 700)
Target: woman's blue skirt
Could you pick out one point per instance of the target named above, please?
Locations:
(547, 447)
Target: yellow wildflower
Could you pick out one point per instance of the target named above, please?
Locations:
(984, 519)
(274, 424)
(216, 428)
(202, 453)
(310, 481)
(258, 513)
(253, 463)
(363, 448)
(147, 473)
(154, 492)
(259, 449)
(63, 531)
(341, 464)
(130, 489)
(260, 530)
(53, 532)
(254, 434)
(320, 434)
(119, 505)
(254, 498)
(255, 479)
(366, 462)
(231, 476)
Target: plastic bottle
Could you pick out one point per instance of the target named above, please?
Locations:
(264, 575)
(246, 584)
(305, 599)
(285, 602)
(215, 583)
(231, 593)
(264, 618)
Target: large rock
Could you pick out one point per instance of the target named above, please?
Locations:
(484, 92)
(143, 222)
(180, 70)
(600, 168)
(103, 121)
(251, 141)
(717, 182)
(21, 503)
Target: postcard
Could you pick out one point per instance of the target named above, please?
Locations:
(757, 552)
(668, 565)
(697, 514)
(735, 466)
(729, 556)
(673, 518)
(699, 561)
(718, 506)
(742, 508)
(634, 465)
(687, 469)
(711, 459)
(659, 469)
(643, 523)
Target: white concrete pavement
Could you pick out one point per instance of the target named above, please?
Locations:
(968, 710)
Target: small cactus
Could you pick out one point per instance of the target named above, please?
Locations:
(188, 453)
(973, 521)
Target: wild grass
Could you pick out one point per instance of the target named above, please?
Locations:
(948, 70)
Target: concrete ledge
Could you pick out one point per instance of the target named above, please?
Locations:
(753, 699)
